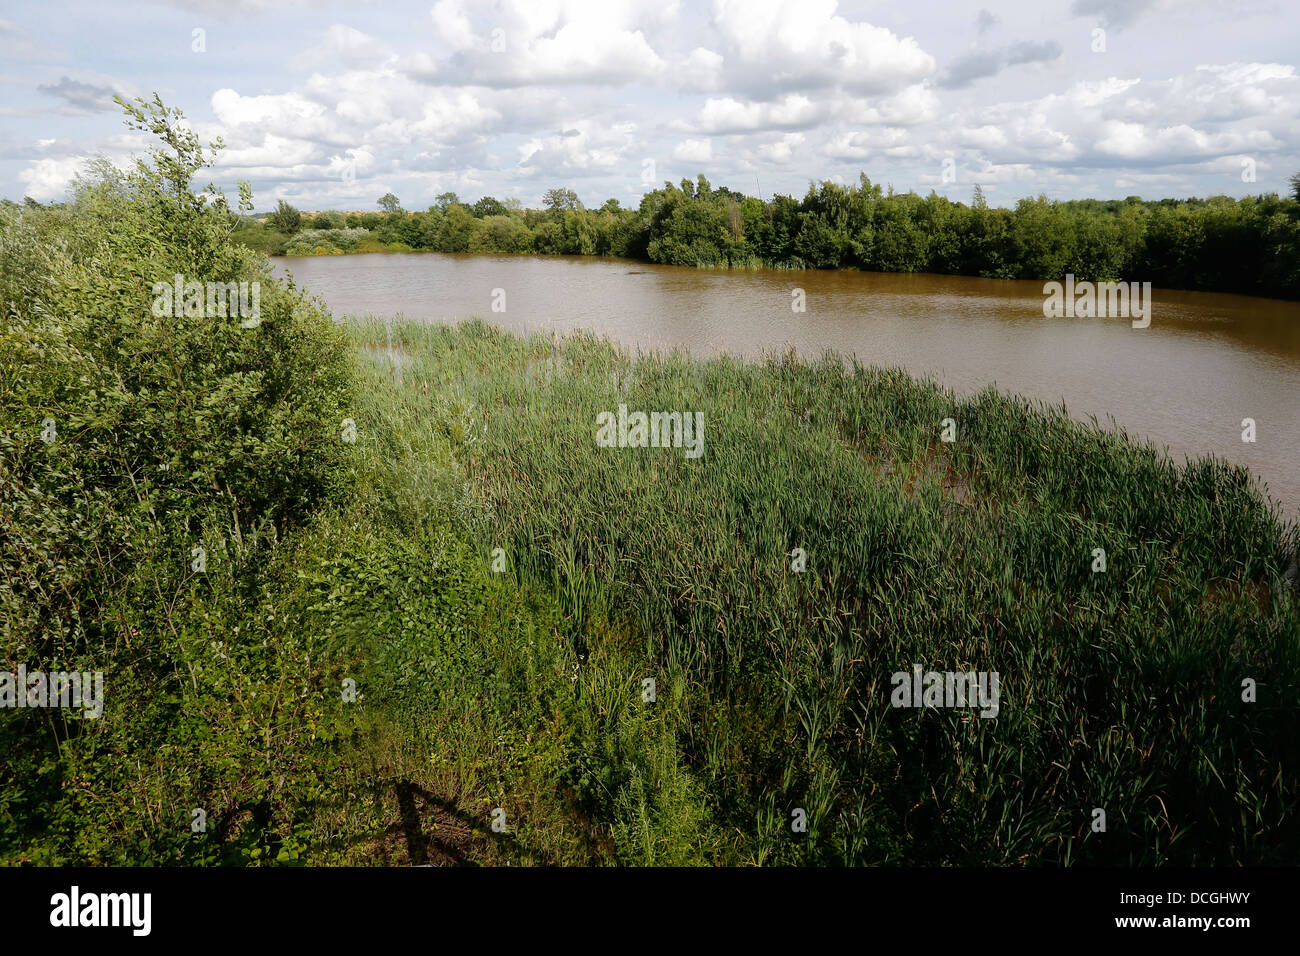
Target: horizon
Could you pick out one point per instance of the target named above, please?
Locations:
(469, 201)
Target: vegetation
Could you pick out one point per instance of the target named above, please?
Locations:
(327, 241)
(285, 219)
(1122, 690)
(498, 589)
(1250, 245)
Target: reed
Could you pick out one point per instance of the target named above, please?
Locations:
(1120, 690)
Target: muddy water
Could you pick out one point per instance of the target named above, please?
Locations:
(1205, 363)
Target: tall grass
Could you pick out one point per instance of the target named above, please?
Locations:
(1120, 690)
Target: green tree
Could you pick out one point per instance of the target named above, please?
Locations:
(488, 206)
(389, 203)
(285, 218)
(330, 220)
(559, 201)
(502, 234)
(1041, 239)
(457, 230)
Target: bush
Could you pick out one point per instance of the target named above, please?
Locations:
(285, 219)
(130, 436)
(502, 234)
(330, 220)
(316, 242)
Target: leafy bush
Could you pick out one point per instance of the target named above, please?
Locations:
(315, 242)
(285, 218)
(131, 435)
(502, 234)
(330, 220)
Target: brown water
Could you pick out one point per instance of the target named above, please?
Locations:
(1206, 362)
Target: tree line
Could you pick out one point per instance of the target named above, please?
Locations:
(1249, 245)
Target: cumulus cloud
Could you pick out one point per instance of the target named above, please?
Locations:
(47, 179)
(1210, 113)
(727, 115)
(700, 70)
(782, 150)
(514, 96)
(341, 46)
(860, 146)
(914, 106)
(693, 151)
(523, 42)
(770, 46)
(591, 149)
(1177, 143)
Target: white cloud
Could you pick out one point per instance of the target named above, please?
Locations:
(913, 106)
(694, 151)
(727, 115)
(860, 145)
(1133, 141)
(451, 23)
(512, 96)
(341, 46)
(781, 151)
(700, 70)
(985, 137)
(588, 147)
(773, 45)
(524, 42)
(48, 179)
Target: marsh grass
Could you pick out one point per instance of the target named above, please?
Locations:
(1120, 690)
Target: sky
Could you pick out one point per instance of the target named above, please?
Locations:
(330, 105)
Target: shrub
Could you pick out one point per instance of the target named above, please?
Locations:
(330, 220)
(502, 234)
(285, 219)
(315, 242)
(168, 433)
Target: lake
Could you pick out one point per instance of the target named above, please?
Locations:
(1206, 362)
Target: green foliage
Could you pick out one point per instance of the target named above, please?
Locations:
(330, 220)
(371, 564)
(327, 563)
(1251, 245)
(171, 433)
(318, 242)
(285, 219)
(502, 234)
(456, 234)
(260, 239)
(489, 206)
(559, 200)
(970, 556)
